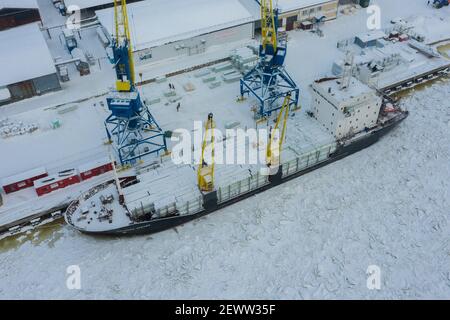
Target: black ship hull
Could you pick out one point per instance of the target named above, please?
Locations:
(343, 150)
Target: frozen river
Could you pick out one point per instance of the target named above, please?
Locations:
(313, 237)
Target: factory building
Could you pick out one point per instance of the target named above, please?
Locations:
(163, 29)
(294, 12)
(14, 13)
(27, 66)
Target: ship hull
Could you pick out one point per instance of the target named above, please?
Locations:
(158, 225)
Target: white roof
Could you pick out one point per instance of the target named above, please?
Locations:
(290, 5)
(372, 35)
(24, 55)
(157, 22)
(23, 176)
(94, 164)
(84, 4)
(21, 4)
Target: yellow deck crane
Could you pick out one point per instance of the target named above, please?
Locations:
(277, 135)
(205, 173)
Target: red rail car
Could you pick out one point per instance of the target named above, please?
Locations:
(95, 168)
(55, 182)
(23, 180)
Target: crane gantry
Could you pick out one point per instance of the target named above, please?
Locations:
(136, 133)
(268, 81)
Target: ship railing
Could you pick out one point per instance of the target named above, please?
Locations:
(74, 205)
(249, 184)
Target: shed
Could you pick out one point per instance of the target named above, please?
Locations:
(26, 63)
(369, 39)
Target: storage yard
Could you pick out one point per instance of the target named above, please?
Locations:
(57, 149)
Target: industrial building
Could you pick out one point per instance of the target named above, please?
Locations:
(27, 66)
(392, 60)
(15, 13)
(190, 27)
(292, 13)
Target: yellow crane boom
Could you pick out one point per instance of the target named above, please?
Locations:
(268, 26)
(276, 137)
(205, 173)
(123, 41)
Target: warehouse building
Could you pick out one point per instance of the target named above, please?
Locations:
(14, 13)
(294, 12)
(27, 66)
(163, 29)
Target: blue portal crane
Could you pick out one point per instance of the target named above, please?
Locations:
(131, 126)
(269, 82)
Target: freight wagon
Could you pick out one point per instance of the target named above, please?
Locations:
(55, 182)
(23, 180)
(95, 168)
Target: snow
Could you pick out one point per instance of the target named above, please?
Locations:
(25, 4)
(27, 57)
(291, 5)
(313, 237)
(181, 19)
(23, 176)
(4, 94)
(85, 4)
(94, 164)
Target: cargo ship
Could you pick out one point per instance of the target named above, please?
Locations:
(353, 115)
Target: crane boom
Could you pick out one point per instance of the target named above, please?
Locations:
(276, 138)
(205, 173)
(122, 47)
(268, 26)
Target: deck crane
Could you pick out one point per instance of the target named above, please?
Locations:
(277, 135)
(268, 81)
(131, 125)
(205, 173)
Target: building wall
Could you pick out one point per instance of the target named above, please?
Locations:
(347, 117)
(38, 86)
(328, 9)
(46, 84)
(194, 45)
(10, 18)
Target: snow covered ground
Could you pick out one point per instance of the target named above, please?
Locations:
(313, 237)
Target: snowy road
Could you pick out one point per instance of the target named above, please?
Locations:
(313, 237)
